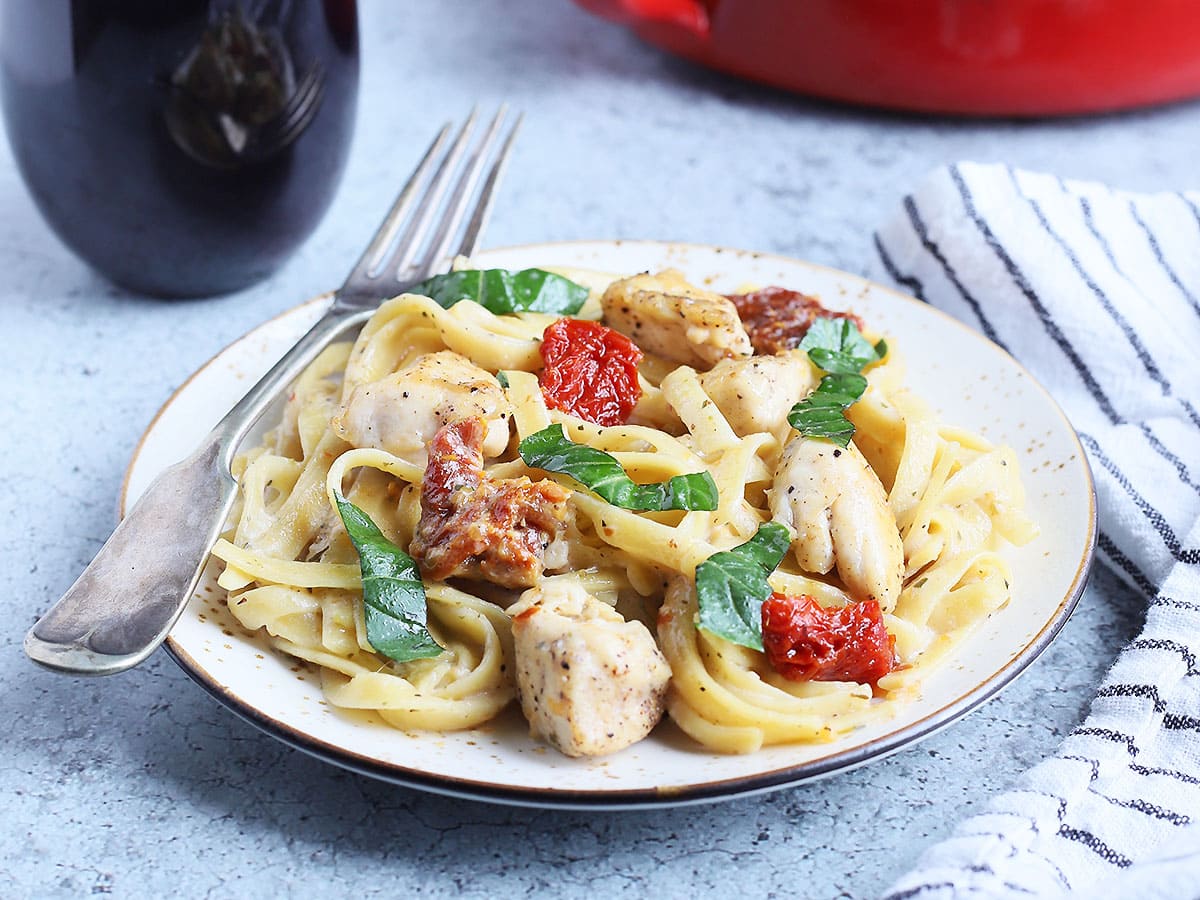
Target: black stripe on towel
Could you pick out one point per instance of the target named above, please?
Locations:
(1131, 336)
(1162, 260)
(1145, 691)
(909, 893)
(1176, 722)
(1179, 465)
(1187, 201)
(1108, 734)
(914, 286)
(1094, 763)
(1113, 552)
(1024, 817)
(1022, 284)
(1168, 773)
(1134, 341)
(957, 889)
(1061, 801)
(1152, 810)
(922, 233)
(1160, 600)
(1170, 647)
(1137, 805)
(1189, 555)
(1096, 845)
(1017, 888)
(1190, 204)
(1006, 839)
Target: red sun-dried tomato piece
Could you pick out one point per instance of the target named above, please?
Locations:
(806, 642)
(590, 371)
(473, 526)
(777, 319)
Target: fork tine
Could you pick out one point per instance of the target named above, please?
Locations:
(464, 192)
(372, 257)
(424, 215)
(403, 250)
(487, 197)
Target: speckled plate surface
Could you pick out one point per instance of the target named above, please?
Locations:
(969, 381)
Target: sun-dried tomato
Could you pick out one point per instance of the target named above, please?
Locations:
(590, 371)
(455, 461)
(806, 642)
(777, 319)
(473, 526)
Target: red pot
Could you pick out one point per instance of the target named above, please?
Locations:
(981, 57)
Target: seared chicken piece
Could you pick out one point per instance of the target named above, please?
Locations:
(837, 508)
(401, 413)
(589, 682)
(665, 315)
(504, 530)
(756, 393)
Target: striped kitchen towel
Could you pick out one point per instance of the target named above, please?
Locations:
(1097, 292)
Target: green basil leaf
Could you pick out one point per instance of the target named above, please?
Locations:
(393, 594)
(838, 347)
(502, 378)
(732, 585)
(600, 473)
(504, 292)
(822, 414)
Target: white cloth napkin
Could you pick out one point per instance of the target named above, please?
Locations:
(1097, 292)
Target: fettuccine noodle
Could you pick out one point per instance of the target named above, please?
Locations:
(291, 570)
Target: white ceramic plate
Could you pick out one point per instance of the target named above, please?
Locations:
(970, 382)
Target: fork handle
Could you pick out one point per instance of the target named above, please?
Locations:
(122, 606)
(129, 596)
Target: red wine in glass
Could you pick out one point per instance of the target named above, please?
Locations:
(181, 148)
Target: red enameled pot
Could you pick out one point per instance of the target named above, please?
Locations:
(975, 57)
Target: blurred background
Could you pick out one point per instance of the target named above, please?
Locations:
(158, 786)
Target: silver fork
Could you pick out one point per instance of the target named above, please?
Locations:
(122, 606)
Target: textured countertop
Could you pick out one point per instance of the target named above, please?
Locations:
(141, 785)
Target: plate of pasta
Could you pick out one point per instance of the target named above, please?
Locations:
(621, 524)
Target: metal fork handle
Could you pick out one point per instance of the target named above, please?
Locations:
(124, 603)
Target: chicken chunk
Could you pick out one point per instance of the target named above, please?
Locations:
(665, 315)
(839, 512)
(401, 413)
(503, 530)
(589, 682)
(756, 393)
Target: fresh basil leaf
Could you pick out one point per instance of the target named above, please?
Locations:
(393, 594)
(503, 292)
(838, 347)
(600, 473)
(731, 585)
(502, 378)
(822, 414)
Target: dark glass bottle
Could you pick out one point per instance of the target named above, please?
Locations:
(181, 147)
